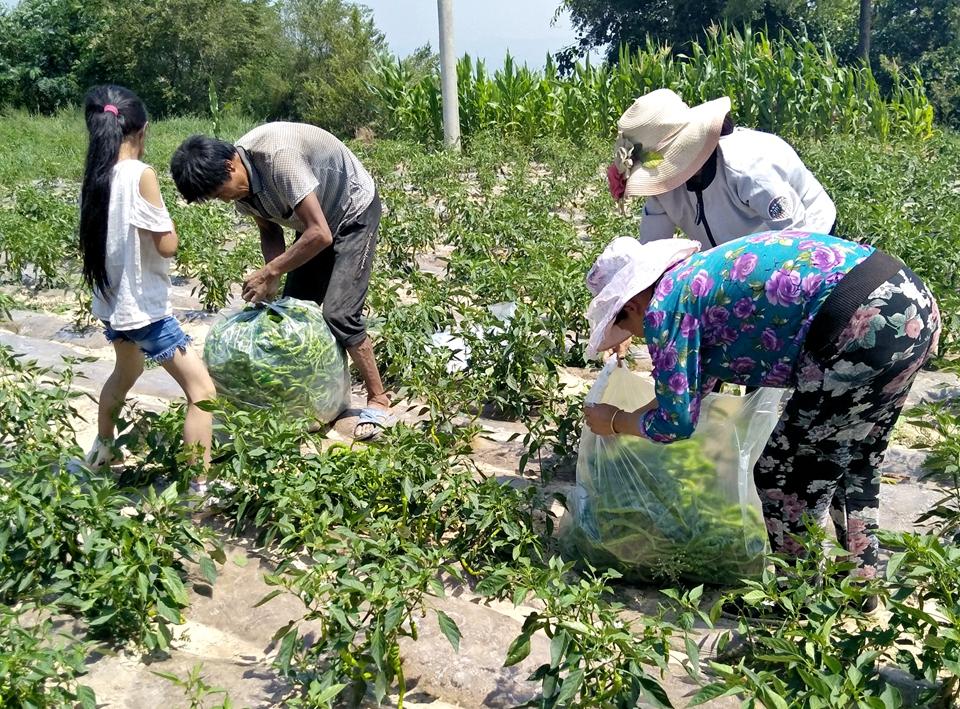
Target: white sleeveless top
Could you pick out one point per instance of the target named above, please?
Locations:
(138, 276)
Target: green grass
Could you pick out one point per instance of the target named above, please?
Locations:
(54, 147)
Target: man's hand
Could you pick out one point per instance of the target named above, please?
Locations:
(260, 286)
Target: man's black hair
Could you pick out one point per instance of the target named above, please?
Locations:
(199, 166)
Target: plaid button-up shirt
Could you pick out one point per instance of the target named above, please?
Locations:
(288, 161)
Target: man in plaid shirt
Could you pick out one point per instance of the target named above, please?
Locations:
(301, 177)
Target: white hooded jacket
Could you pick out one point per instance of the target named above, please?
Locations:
(758, 183)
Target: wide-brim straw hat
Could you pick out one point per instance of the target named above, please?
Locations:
(626, 267)
(662, 142)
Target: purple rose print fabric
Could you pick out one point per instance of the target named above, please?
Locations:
(738, 313)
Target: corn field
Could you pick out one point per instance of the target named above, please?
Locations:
(788, 85)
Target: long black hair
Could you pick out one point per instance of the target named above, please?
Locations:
(111, 113)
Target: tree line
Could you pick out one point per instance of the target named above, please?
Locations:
(295, 59)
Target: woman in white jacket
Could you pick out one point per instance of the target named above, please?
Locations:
(711, 181)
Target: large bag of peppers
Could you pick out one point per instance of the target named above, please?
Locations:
(279, 355)
(687, 510)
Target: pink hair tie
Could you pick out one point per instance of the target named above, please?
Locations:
(110, 108)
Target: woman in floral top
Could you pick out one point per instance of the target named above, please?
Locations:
(770, 310)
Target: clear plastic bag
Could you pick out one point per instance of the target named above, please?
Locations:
(681, 511)
(279, 355)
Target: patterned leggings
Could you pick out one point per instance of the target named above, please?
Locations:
(825, 454)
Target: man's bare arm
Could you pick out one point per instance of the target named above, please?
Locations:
(272, 244)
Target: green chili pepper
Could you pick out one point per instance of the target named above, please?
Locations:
(665, 519)
(279, 355)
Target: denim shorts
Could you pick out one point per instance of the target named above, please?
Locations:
(159, 340)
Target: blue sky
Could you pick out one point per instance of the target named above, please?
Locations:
(483, 28)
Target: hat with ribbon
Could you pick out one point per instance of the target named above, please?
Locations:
(662, 142)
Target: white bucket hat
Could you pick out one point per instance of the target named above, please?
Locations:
(662, 142)
(626, 267)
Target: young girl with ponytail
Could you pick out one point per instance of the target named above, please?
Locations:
(127, 240)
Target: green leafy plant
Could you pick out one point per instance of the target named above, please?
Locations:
(365, 591)
(596, 657)
(557, 429)
(114, 556)
(817, 646)
(924, 602)
(196, 689)
(39, 226)
(39, 668)
(780, 83)
(942, 463)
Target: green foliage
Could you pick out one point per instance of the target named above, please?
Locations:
(900, 197)
(822, 651)
(925, 603)
(334, 43)
(365, 592)
(294, 498)
(182, 46)
(43, 47)
(115, 557)
(681, 23)
(212, 250)
(196, 689)
(39, 668)
(174, 52)
(942, 463)
(509, 229)
(378, 525)
(597, 658)
(786, 85)
(251, 52)
(155, 441)
(35, 417)
(819, 650)
(39, 228)
(7, 304)
(924, 35)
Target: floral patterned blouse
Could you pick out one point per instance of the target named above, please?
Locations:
(737, 313)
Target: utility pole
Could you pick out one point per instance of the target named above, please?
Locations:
(448, 77)
(863, 48)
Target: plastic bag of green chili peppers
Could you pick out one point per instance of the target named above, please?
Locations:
(682, 511)
(279, 355)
